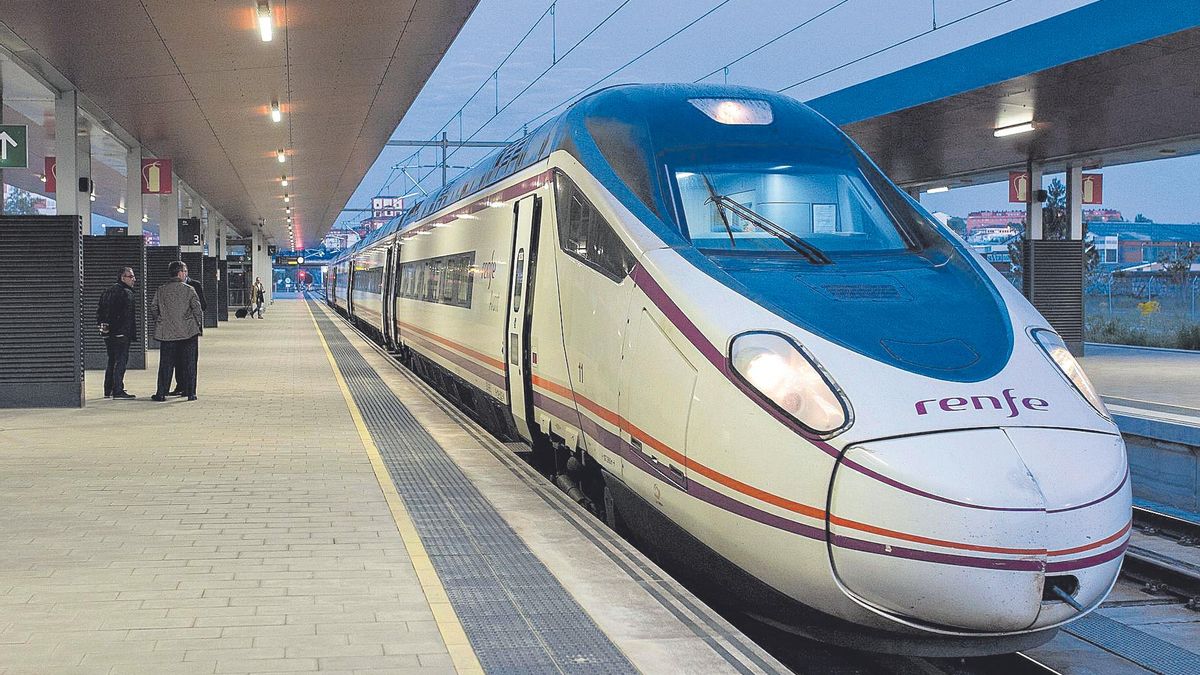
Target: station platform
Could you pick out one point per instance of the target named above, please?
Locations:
(1148, 382)
(316, 510)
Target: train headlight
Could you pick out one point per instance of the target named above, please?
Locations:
(793, 381)
(1057, 350)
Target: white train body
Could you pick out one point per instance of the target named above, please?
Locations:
(882, 444)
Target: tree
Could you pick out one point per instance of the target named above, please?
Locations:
(1056, 224)
(1178, 263)
(1139, 218)
(957, 224)
(18, 202)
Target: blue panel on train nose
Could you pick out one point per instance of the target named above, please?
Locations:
(940, 319)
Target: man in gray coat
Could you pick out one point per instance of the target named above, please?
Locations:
(180, 322)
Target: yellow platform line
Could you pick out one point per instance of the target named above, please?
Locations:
(463, 656)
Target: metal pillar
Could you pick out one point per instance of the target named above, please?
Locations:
(1075, 201)
(134, 206)
(66, 121)
(168, 219)
(1033, 206)
(83, 167)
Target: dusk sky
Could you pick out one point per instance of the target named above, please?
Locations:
(805, 48)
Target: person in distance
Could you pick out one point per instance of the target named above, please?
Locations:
(115, 317)
(180, 322)
(180, 388)
(258, 295)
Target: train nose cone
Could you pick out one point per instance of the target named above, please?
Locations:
(959, 531)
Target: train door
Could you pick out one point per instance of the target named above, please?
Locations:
(526, 217)
(397, 280)
(385, 298)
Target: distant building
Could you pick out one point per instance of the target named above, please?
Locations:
(383, 209)
(151, 238)
(1121, 244)
(340, 239)
(977, 220)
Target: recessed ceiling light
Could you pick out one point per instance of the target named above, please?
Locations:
(284, 181)
(276, 115)
(940, 188)
(265, 24)
(145, 219)
(1013, 129)
(286, 198)
(281, 156)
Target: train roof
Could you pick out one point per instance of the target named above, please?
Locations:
(621, 114)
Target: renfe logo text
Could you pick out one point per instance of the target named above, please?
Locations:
(958, 404)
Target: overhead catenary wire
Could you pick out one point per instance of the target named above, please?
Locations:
(538, 78)
(894, 45)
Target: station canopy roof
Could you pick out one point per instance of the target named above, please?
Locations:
(194, 82)
(1111, 82)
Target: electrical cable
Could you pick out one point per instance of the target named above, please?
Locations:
(772, 41)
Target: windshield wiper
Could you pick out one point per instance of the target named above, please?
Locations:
(814, 254)
(716, 200)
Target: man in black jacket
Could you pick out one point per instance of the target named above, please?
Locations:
(181, 387)
(117, 323)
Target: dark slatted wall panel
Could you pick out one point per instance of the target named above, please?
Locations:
(157, 260)
(102, 257)
(1053, 282)
(41, 346)
(223, 291)
(212, 311)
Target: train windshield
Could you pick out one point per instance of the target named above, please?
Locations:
(810, 209)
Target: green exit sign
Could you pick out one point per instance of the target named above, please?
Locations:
(14, 146)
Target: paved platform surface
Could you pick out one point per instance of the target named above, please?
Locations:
(253, 531)
(1158, 380)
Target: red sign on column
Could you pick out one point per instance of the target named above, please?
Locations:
(1018, 187)
(156, 176)
(1093, 188)
(51, 175)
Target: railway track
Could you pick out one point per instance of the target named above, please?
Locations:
(1159, 573)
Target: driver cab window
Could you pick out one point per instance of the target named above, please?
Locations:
(830, 208)
(585, 235)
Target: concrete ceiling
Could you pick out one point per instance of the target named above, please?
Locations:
(193, 81)
(1107, 83)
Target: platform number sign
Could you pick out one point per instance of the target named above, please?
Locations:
(189, 232)
(14, 146)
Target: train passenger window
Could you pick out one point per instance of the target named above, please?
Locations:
(444, 280)
(585, 235)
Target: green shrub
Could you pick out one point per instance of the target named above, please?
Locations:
(1188, 337)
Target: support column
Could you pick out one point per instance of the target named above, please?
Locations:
(1075, 201)
(66, 121)
(134, 206)
(168, 219)
(223, 240)
(1033, 207)
(210, 231)
(83, 166)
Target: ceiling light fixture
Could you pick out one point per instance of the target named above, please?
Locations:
(940, 188)
(284, 181)
(281, 156)
(120, 209)
(276, 115)
(1014, 129)
(42, 177)
(286, 198)
(264, 20)
(145, 219)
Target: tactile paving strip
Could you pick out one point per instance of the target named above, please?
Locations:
(517, 615)
(1144, 649)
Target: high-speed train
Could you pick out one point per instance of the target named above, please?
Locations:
(726, 331)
